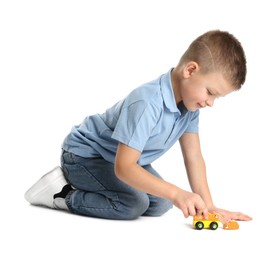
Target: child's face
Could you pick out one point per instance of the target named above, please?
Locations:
(199, 91)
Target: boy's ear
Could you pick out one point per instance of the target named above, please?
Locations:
(190, 68)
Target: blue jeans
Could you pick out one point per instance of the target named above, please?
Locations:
(99, 193)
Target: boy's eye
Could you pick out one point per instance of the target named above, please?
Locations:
(209, 92)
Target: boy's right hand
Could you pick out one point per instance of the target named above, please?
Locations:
(190, 204)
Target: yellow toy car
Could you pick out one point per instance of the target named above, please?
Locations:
(213, 221)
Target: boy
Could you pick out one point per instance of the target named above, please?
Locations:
(106, 161)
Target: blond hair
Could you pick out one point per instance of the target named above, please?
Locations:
(218, 51)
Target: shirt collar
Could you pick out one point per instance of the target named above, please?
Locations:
(167, 92)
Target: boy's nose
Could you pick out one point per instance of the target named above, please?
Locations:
(210, 102)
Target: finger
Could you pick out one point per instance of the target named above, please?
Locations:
(241, 216)
(185, 212)
(205, 213)
(191, 210)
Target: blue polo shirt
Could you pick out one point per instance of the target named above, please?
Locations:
(147, 120)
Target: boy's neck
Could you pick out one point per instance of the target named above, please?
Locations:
(175, 82)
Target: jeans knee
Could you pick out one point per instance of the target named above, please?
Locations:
(137, 208)
(158, 207)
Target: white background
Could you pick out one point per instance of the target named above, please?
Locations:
(63, 60)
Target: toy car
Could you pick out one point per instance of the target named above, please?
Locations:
(213, 221)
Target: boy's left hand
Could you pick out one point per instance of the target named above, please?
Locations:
(230, 215)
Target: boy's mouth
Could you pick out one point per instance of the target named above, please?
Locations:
(199, 105)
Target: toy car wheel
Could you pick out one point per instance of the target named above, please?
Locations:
(213, 226)
(199, 225)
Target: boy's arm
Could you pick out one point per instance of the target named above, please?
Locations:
(195, 166)
(196, 171)
(129, 171)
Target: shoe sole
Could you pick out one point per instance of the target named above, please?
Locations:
(43, 188)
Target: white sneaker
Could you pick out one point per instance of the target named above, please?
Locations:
(43, 191)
